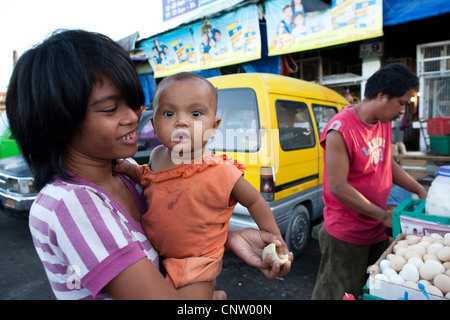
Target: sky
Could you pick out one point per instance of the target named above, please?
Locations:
(24, 23)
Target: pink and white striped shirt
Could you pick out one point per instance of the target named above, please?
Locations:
(85, 238)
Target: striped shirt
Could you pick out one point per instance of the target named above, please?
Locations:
(85, 238)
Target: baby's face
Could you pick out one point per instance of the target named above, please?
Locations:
(186, 114)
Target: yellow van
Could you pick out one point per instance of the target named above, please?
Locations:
(272, 123)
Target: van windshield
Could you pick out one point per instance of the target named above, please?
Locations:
(238, 130)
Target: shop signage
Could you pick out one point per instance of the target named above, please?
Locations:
(291, 28)
(229, 39)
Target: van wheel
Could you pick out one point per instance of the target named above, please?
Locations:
(299, 230)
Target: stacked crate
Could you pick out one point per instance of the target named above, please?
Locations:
(439, 131)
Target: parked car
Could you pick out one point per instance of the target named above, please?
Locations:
(8, 146)
(16, 186)
(272, 124)
(16, 180)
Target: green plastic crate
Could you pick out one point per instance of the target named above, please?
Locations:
(440, 144)
(410, 213)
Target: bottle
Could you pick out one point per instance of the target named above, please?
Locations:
(438, 198)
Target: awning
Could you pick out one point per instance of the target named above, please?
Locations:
(401, 11)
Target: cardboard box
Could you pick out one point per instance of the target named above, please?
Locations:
(389, 291)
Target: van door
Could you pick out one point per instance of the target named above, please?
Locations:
(323, 112)
(297, 169)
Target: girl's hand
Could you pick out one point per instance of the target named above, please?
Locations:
(248, 245)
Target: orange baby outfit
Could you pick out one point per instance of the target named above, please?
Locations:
(188, 217)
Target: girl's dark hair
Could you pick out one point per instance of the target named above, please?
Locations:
(394, 79)
(49, 91)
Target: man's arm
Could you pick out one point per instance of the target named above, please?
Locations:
(401, 178)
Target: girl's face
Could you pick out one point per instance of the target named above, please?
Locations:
(185, 118)
(109, 130)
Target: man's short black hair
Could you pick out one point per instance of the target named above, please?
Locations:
(394, 79)
(49, 91)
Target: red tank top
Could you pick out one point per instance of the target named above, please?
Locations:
(369, 149)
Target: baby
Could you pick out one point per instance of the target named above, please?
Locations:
(191, 192)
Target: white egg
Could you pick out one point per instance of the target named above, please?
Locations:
(383, 264)
(424, 282)
(396, 279)
(436, 236)
(388, 272)
(410, 272)
(434, 248)
(417, 262)
(381, 276)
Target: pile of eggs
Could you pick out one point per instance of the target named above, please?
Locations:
(417, 259)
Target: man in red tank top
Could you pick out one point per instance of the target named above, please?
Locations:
(358, 176)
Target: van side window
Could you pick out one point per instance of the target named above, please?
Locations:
(296, 130)
(239, 128)
(323, 114)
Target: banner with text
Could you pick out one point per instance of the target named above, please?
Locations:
(291, 28)
(229, 39)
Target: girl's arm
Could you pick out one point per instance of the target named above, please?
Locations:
(142, 281)
(260, 211)
(128, 169)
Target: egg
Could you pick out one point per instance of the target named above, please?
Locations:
(410, 254)
(442, 282)
(446, 265)
(397, 263)
(434, 248)
(428, 239)
(410, 272)
(424, 244)
(381, 277)
(417, 262)
(383, 264)
(418, 248)
(390, 256)
(396, 279)
(404, 243)
(401, 251)
(430, 256)
(444, 254)
(429, 270)
(434, 291)
(447, 272)
(436, 263)
(436, 236)
(388, 271)
(410, 284)
(413, 239)
(447, 296)
(425, 283)
(447, 239)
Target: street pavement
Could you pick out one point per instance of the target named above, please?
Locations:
(22, 275)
